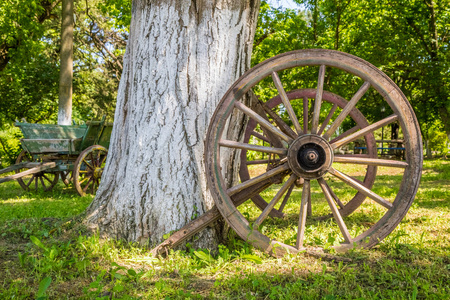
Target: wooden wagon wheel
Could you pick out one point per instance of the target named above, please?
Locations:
(305, 94)
(66, 177)
(311, 156)
(44, 181)
(88, 169)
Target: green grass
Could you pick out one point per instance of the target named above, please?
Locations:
(44, 252)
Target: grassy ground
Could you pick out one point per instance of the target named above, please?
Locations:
(44, 254)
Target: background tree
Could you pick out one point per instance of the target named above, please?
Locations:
(66, 59)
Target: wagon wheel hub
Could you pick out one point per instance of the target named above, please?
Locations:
(98, 173)
(310, 156)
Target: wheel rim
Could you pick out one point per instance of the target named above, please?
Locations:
(337, 102)
(88, 169)
(322, 59)
(41, 181)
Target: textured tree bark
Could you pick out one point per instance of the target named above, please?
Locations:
(66, 72)
(181, 58)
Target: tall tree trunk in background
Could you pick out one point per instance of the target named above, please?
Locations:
(65, 78)
(181, 58)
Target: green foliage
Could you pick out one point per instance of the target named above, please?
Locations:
(29, 58)
(439, 141)
(405, 39)
(43, 286)
(9, 146)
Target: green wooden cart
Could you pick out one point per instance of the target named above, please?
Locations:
(71, 152)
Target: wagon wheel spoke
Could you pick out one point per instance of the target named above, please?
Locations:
(336, 214)
(275, 200)
(286, 198)
(263, 122)
(346, 133)
(36, 183)
(347, 109)
(318, 100)
(371, 162)
(88, 165)
(103, 160)
(260, 136)
(92, 157)
(327, 119)
(31, 180)
(336, 198)
(97, 160)
(286, 102)
(87, 184)
(246, 184)
(233, 144)
(84, 179)
(46, 178)
(364, 131)
(306, 194)
(42, 182)
(361, 188)
(305, 115)
(279, 121)
(262, 161)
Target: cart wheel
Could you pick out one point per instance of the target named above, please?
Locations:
(312, 156)
(44, 181)
(66, 177)
(88, 169)
(273, 105)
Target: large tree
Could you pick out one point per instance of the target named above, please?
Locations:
(181, 58)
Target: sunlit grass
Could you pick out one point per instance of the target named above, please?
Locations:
(411, 263)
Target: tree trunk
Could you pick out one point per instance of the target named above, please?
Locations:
(181, 58)
(65, 78)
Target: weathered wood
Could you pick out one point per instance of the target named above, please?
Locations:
(263, 122)
(358, 186)
(246, 184)
(305, 94)
(318, 101)
(305, 115)
(364, 131)
(344, 113)
(40, 168)
(262, 161)
(390, 94)
(370, 161)
(306, 193)
(280, 123)
(327, 119)
(345, 134)
(260, 136)
(14, 167)
(233, 144)
(286, 102)
(286, 198)
(334, 210)
(37, 146)
(275, 200)
(50, 131)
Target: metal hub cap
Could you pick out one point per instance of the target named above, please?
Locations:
(310, 156)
